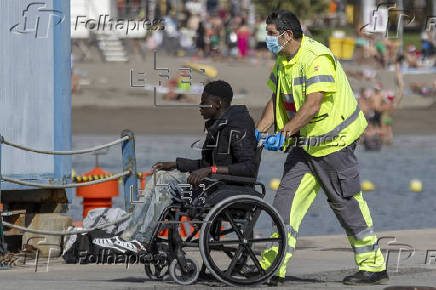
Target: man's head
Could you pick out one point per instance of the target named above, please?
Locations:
(286, 27)
(218, 96)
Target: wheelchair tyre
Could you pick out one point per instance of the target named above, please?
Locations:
(156, 272)
(243, 243)
(157, 269)
(185, 278)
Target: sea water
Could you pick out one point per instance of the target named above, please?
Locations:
(393, 206)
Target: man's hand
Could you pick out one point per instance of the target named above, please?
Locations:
(197, 175)
(164, 166)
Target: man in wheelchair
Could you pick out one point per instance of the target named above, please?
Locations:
(229, 149)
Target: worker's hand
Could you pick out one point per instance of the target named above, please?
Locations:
(287, 130)
(197, 175)
(164, 166)
(274, 142)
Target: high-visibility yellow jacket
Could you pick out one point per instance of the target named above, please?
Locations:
(313, 69)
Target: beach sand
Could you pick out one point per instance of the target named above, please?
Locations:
(152, 120)
(107, 103)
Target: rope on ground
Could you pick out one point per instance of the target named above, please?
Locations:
(68, 232)
(96, 148)
(70, 185)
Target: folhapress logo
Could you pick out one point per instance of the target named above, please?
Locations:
(37, 18)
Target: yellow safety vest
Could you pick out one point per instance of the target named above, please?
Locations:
(339, 121)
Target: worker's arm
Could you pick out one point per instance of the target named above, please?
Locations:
(267, 119)
(307, 111)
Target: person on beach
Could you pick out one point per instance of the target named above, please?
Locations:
(229, 148)
(243, 34)
(317, 120)
(387, 135)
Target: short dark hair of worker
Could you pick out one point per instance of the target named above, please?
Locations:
(220, 89)
(285, 20)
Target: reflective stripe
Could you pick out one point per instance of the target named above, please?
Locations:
(315, 79)
(366, 249)
(299, 81)
(289, 249)
(333, 133)
(273, 78)
(365, 233)
(291, 231)
(320, 79)
(288, 98)
(291, 114)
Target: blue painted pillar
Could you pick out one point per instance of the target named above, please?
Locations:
(129, 163)
(62, 94)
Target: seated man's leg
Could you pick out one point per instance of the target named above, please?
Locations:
(156, 198)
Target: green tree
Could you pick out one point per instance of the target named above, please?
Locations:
(303, 9)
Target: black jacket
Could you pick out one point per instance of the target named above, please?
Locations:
(230, 142)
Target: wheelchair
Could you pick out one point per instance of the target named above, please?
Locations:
(229, 240)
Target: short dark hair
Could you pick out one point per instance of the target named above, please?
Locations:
(285, 20)
(221, 89)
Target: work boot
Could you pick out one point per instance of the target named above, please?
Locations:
(275, 281)
(366, 278)
(246, 270)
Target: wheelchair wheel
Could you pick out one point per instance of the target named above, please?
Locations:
(188, 277)
(157, 268)
(228, 250)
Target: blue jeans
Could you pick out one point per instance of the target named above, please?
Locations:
(155, 200)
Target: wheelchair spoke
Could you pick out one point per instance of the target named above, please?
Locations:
(235, 228)
(218, 243)
(254, 259)
(235, 258)
(263, 240)
(250, 225)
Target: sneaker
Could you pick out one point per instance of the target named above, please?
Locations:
(276, 281)
(132, 246)
(108, 243)
(366, 278)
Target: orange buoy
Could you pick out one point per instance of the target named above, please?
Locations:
(97, 195)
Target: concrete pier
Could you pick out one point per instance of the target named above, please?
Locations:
(320, 262)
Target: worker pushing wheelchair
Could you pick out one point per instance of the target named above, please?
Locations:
(316, 121)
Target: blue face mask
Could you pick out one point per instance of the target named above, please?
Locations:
(272, 42)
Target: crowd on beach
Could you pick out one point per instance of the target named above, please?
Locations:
(214, 31)
(209, 30)
(385, 51)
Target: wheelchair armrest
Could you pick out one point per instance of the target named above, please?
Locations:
(239, 179)
(232, 178)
